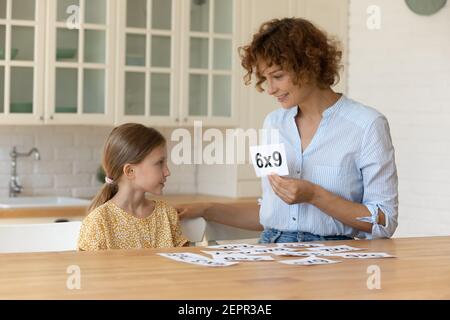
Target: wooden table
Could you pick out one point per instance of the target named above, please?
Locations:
(420, 271)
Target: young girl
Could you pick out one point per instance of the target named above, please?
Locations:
(121, 217)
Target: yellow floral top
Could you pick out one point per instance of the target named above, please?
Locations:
(110, 227)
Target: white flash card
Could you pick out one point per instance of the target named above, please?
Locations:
(363, 255)
(251, 251)
(268, 159)
(273, 250)
(296, 253)
(242, 257)
(235, 246)
(309, 261)
(300, 245)
(335, 249)
(304, 254)
(193, 258)
(223, 253)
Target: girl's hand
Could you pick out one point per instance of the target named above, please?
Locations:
(292, 191)
(191, 210)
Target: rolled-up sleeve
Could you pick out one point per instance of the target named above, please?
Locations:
(379, 173)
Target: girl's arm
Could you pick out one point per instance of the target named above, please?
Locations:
(244, 215)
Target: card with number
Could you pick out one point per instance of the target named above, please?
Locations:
(310, 261)
(304, 254)
(235, 246)
(197, 259)
(335, 249)
(242, 257)
(268, 159)
(222, 252)
(300, 245)
(363, 255)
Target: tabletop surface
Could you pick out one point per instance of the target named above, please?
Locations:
(421, 270)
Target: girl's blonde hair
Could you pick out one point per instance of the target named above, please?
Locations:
(128, 143)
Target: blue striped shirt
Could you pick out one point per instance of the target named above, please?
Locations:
(350, 155)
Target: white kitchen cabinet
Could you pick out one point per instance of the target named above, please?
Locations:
(177, 62)
(148, 54)
(59, 62)
(80, 62)
(156, 62)
(22, 61)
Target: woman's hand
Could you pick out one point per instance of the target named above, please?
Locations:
(292, 191)
(191, 210)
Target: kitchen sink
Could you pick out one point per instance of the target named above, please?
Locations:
(41, 202)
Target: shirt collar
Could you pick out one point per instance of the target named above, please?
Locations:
(332, 109)
(292, 112)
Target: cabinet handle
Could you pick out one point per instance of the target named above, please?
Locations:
(177, 120)
(51, 117)
(185, 119)
(41, 118)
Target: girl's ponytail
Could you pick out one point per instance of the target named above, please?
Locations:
(104, 195)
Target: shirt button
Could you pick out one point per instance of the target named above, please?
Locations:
(294, 219)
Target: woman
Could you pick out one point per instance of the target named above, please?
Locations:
(343, 178)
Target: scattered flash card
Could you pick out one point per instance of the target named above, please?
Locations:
(196, 259)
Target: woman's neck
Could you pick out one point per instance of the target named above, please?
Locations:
(317, 102)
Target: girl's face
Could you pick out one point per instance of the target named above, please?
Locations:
(150, 174)
(279, 84)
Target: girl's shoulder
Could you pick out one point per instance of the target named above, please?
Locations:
(99, 213)
(165, 209)
(163, 206)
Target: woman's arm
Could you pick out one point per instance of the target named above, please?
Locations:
(344, 210)
(294, 191)
(244, 215)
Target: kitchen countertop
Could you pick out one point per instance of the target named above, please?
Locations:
(81, 210)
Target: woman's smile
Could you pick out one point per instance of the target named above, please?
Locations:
(283, 97)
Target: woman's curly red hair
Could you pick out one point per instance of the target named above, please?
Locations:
(297, 46)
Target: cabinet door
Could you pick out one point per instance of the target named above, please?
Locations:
(22, 39)
(147, 61)
(80, 62)
(210, 47)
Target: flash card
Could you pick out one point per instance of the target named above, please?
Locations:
(300, 245)
(196, 259)
(235, 246)
(295, 253)
(304, 254)
(222, 253)
(273, 250)
(363, 255)
(268, 159)
(309, 261)
(242, 257)
(335, 249)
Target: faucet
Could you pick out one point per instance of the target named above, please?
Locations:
(14, 186)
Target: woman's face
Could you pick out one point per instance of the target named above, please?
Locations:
(279, 84)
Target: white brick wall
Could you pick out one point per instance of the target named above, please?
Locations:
(70, 157)
(403, 70)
